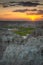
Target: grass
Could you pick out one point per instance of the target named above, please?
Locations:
(23, 31)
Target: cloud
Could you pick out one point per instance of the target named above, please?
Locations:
(12, 2)
(4, 5)
(21, 10)
(28, 3)
(25, 10)
(40, 12)
(7, 4)
(33, 10)
(22, 3)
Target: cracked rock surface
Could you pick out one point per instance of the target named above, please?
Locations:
(21, 51)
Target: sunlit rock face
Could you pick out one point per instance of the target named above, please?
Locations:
(27, 52)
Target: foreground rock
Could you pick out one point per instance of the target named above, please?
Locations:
(29, 52)
(7, 38)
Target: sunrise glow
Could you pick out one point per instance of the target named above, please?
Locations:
(20, 16)
(35, 17)
(27, 13)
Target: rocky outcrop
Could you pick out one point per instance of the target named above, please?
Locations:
(8, 38)
(38, 32)
(29, 52)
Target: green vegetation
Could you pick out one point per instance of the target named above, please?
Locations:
(23, 31)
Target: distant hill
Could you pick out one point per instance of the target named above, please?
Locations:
(36, 23)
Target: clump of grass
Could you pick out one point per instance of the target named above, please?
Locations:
(23, 31)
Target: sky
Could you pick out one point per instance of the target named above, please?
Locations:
(27, 10)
